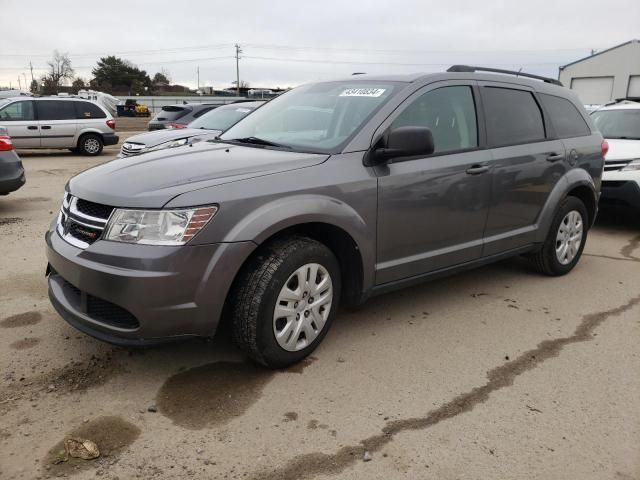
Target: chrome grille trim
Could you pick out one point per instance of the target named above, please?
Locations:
(69, 216)
(132, 148)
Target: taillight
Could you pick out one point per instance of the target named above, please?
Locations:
(5, 143)
(605, 148)
(176, 125)
(111, 124)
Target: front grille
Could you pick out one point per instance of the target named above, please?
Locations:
(99, 309)
(94, 209)
(82, 222)
(613, 165)
(131, 148)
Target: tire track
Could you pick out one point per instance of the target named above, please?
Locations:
(310, 465)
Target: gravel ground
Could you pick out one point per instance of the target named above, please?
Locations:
(493, 373)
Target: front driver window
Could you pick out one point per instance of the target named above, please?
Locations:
(17, 111)
(450, 114)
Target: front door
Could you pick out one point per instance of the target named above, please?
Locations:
(19, 120)
(432, 210)
(58, 123)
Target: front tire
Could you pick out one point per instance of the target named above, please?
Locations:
(565, 241)
(285, 300)
(90, 144)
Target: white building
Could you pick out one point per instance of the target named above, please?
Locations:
(606, 75)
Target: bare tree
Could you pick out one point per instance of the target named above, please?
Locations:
(59, 70)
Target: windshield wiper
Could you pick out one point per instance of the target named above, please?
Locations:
(624, 138)
(260, 141)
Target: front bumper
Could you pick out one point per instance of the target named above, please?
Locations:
(621, 192)
(139, 294)
(110, 139)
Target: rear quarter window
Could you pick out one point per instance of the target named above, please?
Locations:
(86, 110)
(565, 117)
(512, 116)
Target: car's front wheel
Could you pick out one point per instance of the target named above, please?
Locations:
(285, 300)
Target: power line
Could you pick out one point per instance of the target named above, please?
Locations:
(401, 64)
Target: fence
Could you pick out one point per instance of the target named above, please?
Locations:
(155, 103)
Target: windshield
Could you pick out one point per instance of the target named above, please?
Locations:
(221, 118)
(618, 123)
(319, 117)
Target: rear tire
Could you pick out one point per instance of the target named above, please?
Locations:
(282, 279)
(565, 241)
(90, 144)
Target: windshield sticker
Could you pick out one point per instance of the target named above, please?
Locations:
(243, 110)
(363, 92)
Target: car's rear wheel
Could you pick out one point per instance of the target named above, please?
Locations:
(565, 241)
(90, 144)
(285, 300)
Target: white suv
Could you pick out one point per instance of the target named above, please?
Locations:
(619, 123)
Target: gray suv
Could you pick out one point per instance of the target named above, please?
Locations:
(58, 122)
(327, 195)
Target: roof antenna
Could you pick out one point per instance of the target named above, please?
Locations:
(519, 71)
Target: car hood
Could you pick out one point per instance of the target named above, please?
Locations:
(153, 179)
(620, 149)
(152, 139)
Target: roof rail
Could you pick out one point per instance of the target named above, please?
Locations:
(469, 68)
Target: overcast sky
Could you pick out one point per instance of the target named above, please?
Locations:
(286, 43)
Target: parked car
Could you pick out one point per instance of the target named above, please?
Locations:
(208, 126)
(51, 122)
(179, 116)
(11, 171)
(620, 125)
(289, 214)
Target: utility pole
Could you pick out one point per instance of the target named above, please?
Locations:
(31, 67)
(198, 70)
(19, 83)
(238, 52)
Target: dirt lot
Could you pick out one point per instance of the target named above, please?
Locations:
(491, 374)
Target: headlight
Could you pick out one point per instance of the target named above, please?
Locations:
(171, 144)
(634, 165)
(157, 227)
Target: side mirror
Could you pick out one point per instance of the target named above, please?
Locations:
(407, 142)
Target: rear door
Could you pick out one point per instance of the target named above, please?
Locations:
(527, 163)
(432, 210)
(58, 123)
(19, 119)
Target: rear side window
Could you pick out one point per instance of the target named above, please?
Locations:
(55, 110)
(171, 113)
(88, 110)
(512, 116)
(17, 111)
(449, 113)
(201, 112)
(565, 116)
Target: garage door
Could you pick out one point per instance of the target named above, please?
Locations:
(593, 90)
(634, 86)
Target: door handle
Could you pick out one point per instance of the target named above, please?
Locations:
(554, 157)
(46, 127)
(477, 169)
(32, 127)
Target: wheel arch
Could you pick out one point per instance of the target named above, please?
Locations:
(576, 182)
